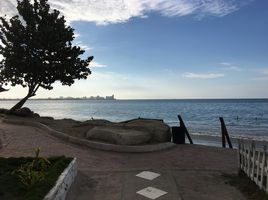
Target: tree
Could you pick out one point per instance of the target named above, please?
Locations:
(38, 51)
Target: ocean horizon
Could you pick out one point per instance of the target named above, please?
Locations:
(134, 99)
(246, 118)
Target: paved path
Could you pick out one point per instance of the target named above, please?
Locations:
(187, 172)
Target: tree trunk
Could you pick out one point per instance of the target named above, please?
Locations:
(19, 104)
(31, 93)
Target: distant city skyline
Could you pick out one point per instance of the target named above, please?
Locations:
(166, 49)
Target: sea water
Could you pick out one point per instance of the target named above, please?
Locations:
(243, 117)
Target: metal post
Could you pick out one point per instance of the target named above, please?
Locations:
(225, 134)
(185, 129)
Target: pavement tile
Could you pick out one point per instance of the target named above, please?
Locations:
(151, 192)
(148, 175)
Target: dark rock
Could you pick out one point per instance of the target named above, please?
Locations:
(47, 118)
(3, 110)
(23, 112)
(35, 115)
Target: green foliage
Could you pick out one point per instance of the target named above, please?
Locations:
(12, 189)
(32, 172)
(28, 176)
(37, 49)
(40, 163)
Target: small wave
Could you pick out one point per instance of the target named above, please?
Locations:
(245, 137)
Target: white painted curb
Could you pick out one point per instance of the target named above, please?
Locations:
(65, 180)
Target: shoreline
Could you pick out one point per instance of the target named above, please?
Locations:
(243, 118)
(199, 139)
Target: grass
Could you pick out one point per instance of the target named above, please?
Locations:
(12, 189)
(246, 186)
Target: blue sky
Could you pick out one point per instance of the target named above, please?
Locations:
(167, 49)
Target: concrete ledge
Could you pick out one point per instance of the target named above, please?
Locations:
(94, 144)
(59, 191)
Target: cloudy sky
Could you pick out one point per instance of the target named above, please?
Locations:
(166, 48)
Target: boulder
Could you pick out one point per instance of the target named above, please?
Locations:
(157, 128)
(118, 135)
(35, 115)
(3, 110)
(131, 132)
(23, 112)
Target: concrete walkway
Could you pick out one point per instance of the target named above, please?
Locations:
(187, 172)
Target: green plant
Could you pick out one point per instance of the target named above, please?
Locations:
(34, 171)
(40, 163)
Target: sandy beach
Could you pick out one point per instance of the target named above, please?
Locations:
(187, 171)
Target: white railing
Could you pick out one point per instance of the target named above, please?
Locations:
(254, 163)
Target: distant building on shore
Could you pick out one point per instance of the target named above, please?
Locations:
(110, 97)
(100, 98)
(70, 98)
(87, 98)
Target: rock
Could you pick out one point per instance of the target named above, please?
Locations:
(3, 110)
(47, 118)
(95, 122)
(35, 115)
(157, 128)
(118, 135)
(23, 112)
(132, 132)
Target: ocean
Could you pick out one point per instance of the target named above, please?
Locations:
(243, 117)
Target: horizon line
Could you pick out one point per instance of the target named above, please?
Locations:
(122, 99)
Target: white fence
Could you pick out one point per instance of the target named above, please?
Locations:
(254, 163)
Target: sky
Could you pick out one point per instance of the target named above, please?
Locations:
(165, 49)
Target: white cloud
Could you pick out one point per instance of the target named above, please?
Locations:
(233, 68)
(263, 78)
(109, 77)
(8, 7)
(203, 75)
(263, 71)
(76, 35)
(82, 46)
(230, 66)
(262, 74)
(226, 64)
(116, 11)
(96, 64)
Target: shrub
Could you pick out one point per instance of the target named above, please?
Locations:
(33, 171)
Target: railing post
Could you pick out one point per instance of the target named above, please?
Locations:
(253, 160)
(258, 168)
(225, 134)
(223, 137)
(261, 185)
(250, 150)
(185, 129)
(239, 159)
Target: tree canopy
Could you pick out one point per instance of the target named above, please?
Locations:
(37, 49)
